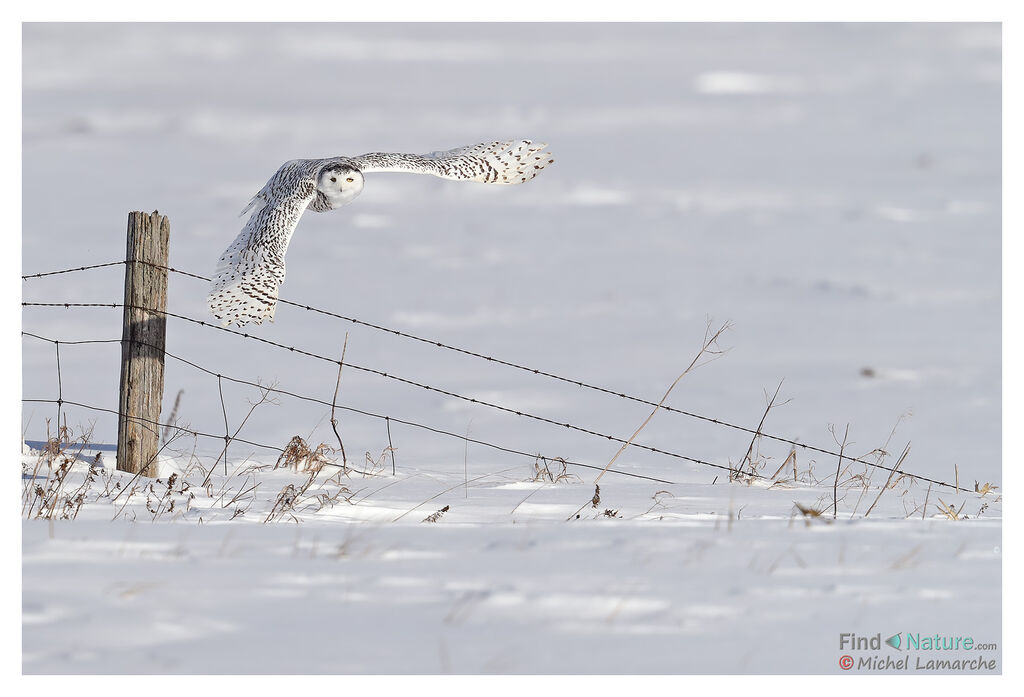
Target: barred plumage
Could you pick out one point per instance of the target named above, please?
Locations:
(251, 270)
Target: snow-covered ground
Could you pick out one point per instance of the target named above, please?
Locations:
(833, 191)
(431, 571)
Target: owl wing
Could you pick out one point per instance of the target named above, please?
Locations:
(251, 270)
(498, 162)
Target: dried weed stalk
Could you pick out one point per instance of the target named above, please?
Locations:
(165, 501)
(753, 458)
(659, 502)
(436, 515)
(172, 420)
(298, 456)
(809, 512)
(264, 398)
(542, 471)
(950, 512)
(50, 500)
(376, 466)
(294, 499)
(708, 348)
(594, 502)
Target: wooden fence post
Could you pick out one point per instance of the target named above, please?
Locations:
(142, 343)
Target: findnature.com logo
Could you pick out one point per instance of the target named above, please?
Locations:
(917, 652)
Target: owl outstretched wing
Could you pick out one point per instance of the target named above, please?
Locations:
(497, 162)
(251, 270)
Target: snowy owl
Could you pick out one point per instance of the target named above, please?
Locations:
(251, 270)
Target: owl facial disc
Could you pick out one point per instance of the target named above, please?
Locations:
(340, 184)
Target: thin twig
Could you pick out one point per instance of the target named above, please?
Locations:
(334, 401)
(227, 440)
(442, 493)
(391, 447)
(264, 397)
(527, 497)
(757, 433)
(791, 456)
(709, 340)
(465, 460)
(594, 501)
(899, 462)
(835, 484)
(60, 392)
(174, 415)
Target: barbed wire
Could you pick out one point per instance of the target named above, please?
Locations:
(77, 268)
(472, 400)
(383, 417)
(438, 344)
(431, 388)
(491, 359)
(151, 422)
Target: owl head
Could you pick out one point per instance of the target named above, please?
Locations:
(339, 184)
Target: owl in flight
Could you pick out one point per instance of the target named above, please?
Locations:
(251, 270)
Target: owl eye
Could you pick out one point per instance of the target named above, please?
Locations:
(350, 179)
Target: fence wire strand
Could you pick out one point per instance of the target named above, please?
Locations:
(475, 401)
(382, 417)
(491, 359)
(77, 268)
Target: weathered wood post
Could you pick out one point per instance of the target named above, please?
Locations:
(142, 342)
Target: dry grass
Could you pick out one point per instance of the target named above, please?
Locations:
(984, 488)
(298, 456)
(889, 483)
(950, 512)
(542, 471)
(293, 500)
(809, 513)
(436, 515)
(308, 495)
(594, 502)
(752, 462)
(174, 493)
(789, 461)
(50, 500)
(659, 503)
(172, 420)
(376, 465)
